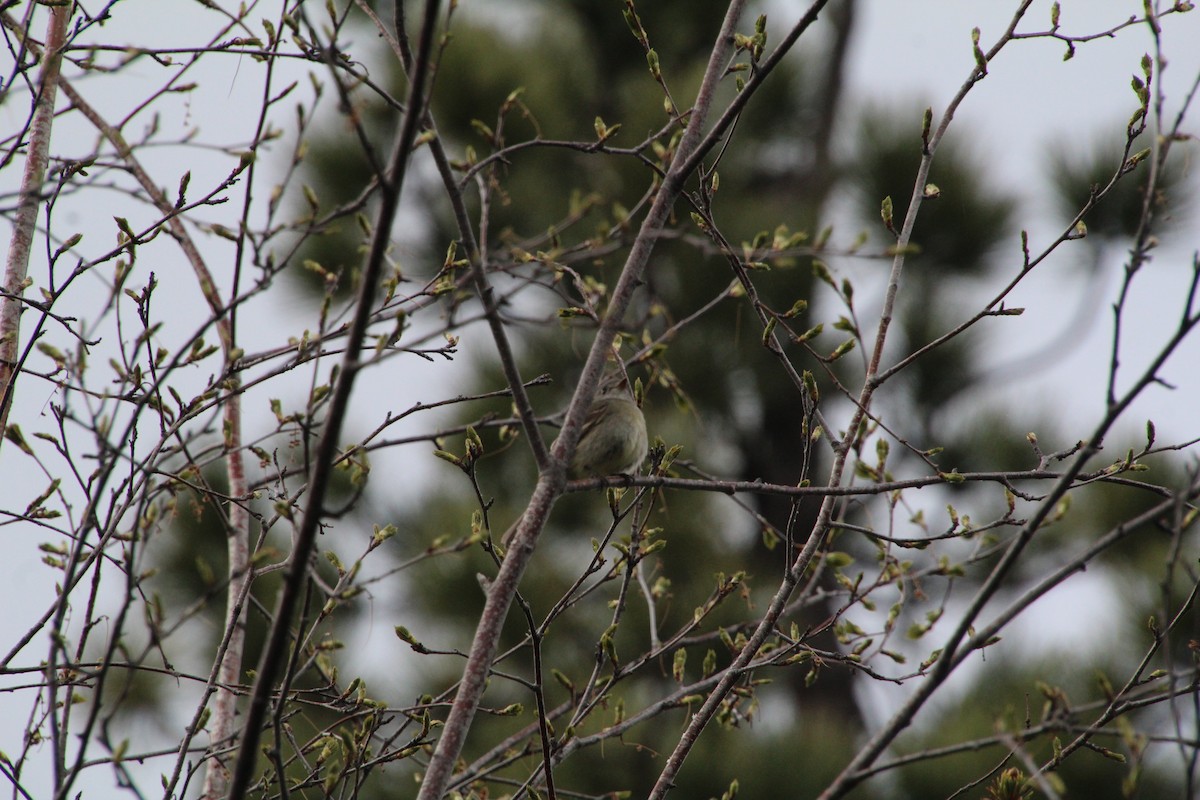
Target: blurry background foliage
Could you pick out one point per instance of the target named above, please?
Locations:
(712, 389)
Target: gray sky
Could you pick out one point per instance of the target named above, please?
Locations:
(915, 51)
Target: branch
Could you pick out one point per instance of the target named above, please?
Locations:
(238, 522)
(391, 184)
(552, 479)
(16, 268)
(237, 527)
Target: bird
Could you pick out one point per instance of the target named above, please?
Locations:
(613, 440)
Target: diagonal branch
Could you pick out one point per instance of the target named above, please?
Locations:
(16, 268)
(552, 479)
(238, 522)
(276, 648)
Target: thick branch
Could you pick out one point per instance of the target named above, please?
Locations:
(391, 184)
(552, 480)
(16, 268)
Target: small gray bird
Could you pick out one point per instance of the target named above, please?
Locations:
(613, 440)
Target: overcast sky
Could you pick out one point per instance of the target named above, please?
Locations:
(915, 50)
(1031, 103)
